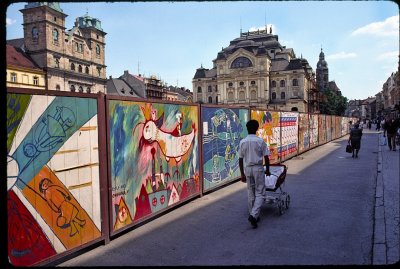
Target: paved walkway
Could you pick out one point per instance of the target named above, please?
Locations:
(343, 211)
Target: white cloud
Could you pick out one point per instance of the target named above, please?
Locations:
(341, 55)
(388, 27)
(274, 29)
(392, 55)
(10, 21)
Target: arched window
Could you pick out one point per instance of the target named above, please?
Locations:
(35, 80)
(242, 96)
(241, 62)
(13, 77)
(273, 96)
(88, 89)
(72, 66)
(199, 89)
(241, 83)
(72, 88)
(295, 82)
(230, 96)
(55, 35)
(98, 49)
(80, 68)
(253, 95)
(87, 70)
(283, 95)
(80, 89)
(273, 84)
(210, 99)
(282, 83)
(58, 87)
(209, 89)
(35, 33)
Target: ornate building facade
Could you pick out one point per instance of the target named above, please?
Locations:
(73, 60)
(256, 70)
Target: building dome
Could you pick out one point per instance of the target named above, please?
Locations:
(246, 43)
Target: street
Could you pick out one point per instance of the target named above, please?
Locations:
(332, 219)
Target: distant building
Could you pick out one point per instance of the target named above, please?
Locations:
(127, 85)
(322, 73)
(256, 70)
(73, 60)
(182, 94)
(22, 72)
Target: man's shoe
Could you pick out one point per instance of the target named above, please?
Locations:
(253, 221)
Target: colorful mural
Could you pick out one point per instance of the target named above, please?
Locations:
(289, 138)
(52, 176)
(338, 127)
(269, 130)
(223, 128)
(154, 158)
(329, 128)
(313, 130)
(322, 129)
(304, 132)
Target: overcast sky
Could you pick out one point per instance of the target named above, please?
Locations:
(360, 39)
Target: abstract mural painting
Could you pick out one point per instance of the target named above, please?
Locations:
(270, 131)
(154, 158)
(53, 204)
(223, 128)
(304, 132)
(289, 137)
(321, 129)
(313, 130)
(329, 128)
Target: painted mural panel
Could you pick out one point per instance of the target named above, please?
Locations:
(322, 137)
(304, 132)
(154, 158)
(269, 131)
(344, 125)
(49, 213)
(329, 128)
(313, 130)
(338, 127)
(289, 130)
(223, 128)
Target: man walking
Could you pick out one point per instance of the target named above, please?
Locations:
(391, 130)
(252, 151)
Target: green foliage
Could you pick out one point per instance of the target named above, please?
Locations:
(333, 103)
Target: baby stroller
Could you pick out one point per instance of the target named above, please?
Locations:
(274, 193)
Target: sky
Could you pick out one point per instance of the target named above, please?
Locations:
(360, 39)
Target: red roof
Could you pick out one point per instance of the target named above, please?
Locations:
(17, 57)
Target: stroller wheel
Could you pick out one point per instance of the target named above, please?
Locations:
(280, 206)
(287, 201)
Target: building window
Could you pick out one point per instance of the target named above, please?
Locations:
(273, 84)
(210, 99)
(230, 96)
(230, 84)
(199, 89)
(209, 89)
(35, 33)
(55, 18)
(282, 83)
(55, 35)
(76, 46)
(58, 87)
(216, 88)
(87, 70)
(253, 82)
(72, 88)
(13, 77)
(57, 63)
(283, 95)
(81, 48)
(35, 81)
(295, 82)
(253, 95)
(216, 99)
(80, 89)
(98, 49)
(80, 68)
(241, 62)
(99, 71)
(242, 96)
(273, 95)
(241, 83)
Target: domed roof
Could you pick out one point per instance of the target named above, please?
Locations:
(246, 43)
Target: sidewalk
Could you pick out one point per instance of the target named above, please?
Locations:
(343, 211)
(386, 248)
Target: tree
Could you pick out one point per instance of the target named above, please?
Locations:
(333, 103)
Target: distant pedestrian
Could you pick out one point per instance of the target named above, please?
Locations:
(252, 151)
(369, 124)
(355, 139)
(378, 125)
(391, 130)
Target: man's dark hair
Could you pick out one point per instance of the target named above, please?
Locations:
(252, 126)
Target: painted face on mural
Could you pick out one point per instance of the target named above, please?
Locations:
(149, 131)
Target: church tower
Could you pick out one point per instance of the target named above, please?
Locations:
(322, 72)
(73, 60)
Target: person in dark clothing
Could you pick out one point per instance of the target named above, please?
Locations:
(355, 139)
(391, 129)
